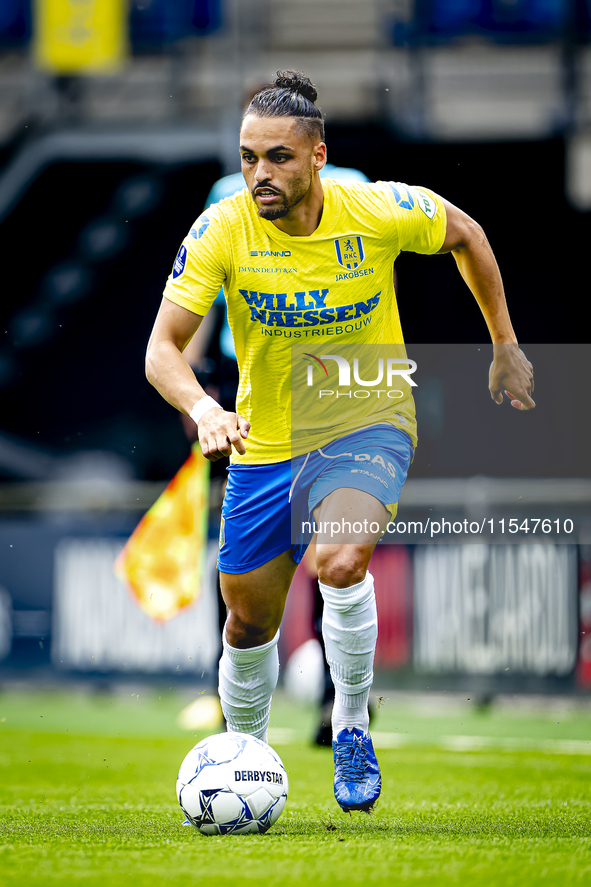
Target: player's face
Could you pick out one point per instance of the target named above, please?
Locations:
(279, 160)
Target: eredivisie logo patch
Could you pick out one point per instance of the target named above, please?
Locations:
(179, 262)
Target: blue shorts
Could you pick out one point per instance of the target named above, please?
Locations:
(264, 504)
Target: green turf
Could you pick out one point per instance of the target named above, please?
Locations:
(87, 797)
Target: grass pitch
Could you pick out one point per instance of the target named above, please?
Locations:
(87, 797)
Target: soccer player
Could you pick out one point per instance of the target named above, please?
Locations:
(226, 375)
(281, 248)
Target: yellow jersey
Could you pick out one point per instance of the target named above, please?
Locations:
(312, 296)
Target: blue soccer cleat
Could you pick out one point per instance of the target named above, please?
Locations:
(357, 780)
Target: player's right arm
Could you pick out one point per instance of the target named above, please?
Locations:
(199, 271)
(168, 371)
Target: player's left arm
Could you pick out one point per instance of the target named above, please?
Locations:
(510, 370)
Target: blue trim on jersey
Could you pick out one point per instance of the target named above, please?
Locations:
(260, 522)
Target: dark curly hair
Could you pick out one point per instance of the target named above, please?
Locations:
(291, 94)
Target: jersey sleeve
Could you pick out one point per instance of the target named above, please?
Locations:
(419, 217)
(201, 265)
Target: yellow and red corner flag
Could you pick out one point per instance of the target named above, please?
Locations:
(163, 560)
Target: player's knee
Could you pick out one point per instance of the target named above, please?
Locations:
(343, 565)
(245, 630)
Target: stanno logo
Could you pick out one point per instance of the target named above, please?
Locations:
(402, 195)
(267, 253)
(202, 226)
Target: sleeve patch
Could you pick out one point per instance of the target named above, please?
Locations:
(426, 203)
(179, 262)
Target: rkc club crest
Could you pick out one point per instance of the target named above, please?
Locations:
(350, 252)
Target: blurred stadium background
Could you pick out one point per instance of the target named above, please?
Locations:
(115, 120)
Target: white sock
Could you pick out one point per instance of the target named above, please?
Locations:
(247, 679)
(350, 631)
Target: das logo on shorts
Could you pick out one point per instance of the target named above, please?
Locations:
(350, 252)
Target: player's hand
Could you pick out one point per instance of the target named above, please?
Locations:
(219, 431)
(512, 373)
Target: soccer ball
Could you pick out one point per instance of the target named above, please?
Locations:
(232, 784)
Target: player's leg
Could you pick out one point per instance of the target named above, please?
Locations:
(350, 629)
(249, 666)
(256, 601)
(323, 735)
(256, 568)
(352, 500)
(350, 616)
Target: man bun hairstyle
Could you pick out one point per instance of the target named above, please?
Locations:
(296, 82)
(291, 94)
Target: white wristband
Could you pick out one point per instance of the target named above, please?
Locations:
(203, 406)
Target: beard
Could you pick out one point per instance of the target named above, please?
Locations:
(289, 199)
(270, 213)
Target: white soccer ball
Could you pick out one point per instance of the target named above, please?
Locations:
(232, 784)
